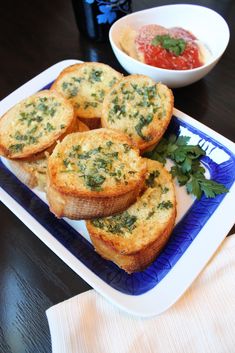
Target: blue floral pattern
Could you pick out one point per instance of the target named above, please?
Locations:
(109, 9)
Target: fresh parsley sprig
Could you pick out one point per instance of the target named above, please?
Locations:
(174, 45)
(187, 167)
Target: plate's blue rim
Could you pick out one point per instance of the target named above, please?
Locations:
(183, 234)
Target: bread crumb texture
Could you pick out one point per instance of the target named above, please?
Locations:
(96, 162)
(85, 86)
(34, 124)
(93, 174)
(140, 107)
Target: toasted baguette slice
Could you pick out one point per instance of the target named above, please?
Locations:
(134, 238)
(35, 124)
(32, 171)
(139, 107)
(85, 86)
(93, 174)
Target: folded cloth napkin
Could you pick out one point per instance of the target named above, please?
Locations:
(203, 320)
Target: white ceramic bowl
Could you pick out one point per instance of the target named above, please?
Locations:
(207, 25)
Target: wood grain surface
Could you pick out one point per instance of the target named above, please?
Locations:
(33, 36)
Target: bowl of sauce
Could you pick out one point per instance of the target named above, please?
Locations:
(175, 44)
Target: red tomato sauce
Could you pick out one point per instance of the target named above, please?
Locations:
(158, 56)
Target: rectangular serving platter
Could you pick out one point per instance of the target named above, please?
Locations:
(201, 225)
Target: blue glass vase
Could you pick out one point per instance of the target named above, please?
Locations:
(95, 17)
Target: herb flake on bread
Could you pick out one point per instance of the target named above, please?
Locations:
(35, 124)
(132, 239)
(85, 86)
(33, 171)
(93, 174)
(140, 107)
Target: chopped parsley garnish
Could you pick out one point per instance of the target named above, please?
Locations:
(150, 214)
(109, 143)
(66, 162)
(118, 224)
(164, 189)
(175, 46)
(165, 205)
(144, 121)
(18, 147)
(98, 96)
(90, 104)
(32, 119)
(145, 96)
(187, 167)
(71, 88)
(150, 181)
(126, 147)
(26, 138)
(49, 127)
(65, 85)
(95, 76)
(112, 82)
(95, 165)
(94, 181)
(77, 79)
(73, 92)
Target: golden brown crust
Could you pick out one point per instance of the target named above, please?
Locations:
(92, 173)
(35, 124)
(134, 238)
(85, 207)
(139, 107)
(85, 86)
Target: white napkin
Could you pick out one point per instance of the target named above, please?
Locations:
(202, 321)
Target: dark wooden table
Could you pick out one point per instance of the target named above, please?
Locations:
(33, 36)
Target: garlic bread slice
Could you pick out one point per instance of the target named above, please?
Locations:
(140, 107)
(32, 171)
(35, 124)
(94, 173)
(85, 86)
(132, 239)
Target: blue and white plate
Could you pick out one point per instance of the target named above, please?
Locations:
(201, 225)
